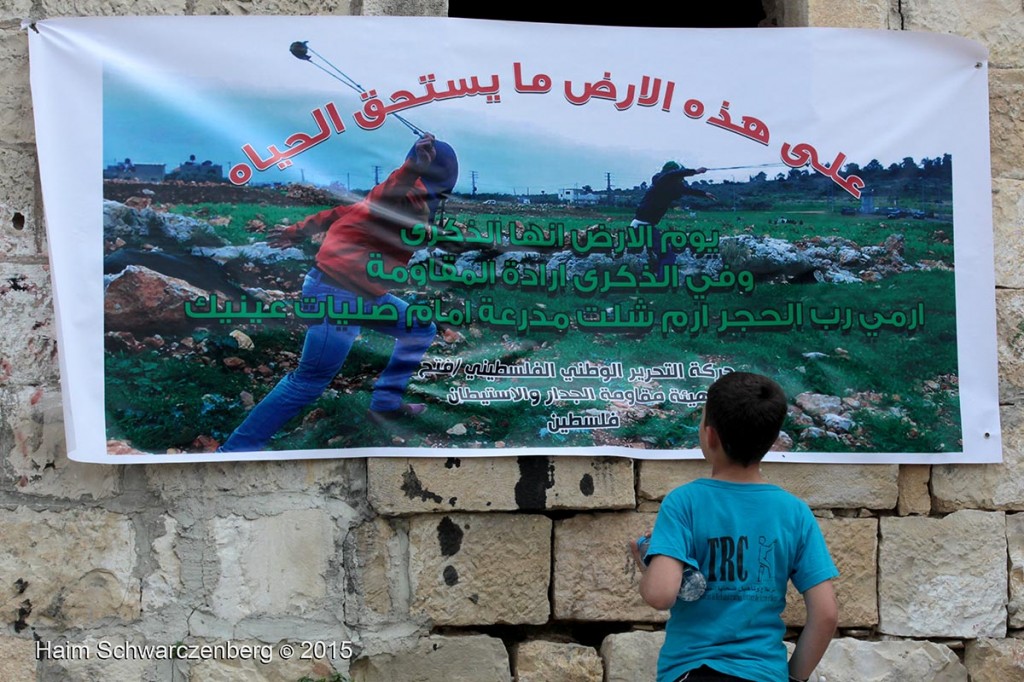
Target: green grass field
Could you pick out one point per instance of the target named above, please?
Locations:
(161, 399)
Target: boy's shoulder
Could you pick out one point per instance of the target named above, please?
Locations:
(710, 485)
(703, 488)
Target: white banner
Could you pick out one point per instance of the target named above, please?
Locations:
(317, 237)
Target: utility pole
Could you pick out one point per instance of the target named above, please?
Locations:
(474, 175)
(376, 175)
(608, 181)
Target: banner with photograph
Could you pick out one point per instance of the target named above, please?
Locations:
(293, 237)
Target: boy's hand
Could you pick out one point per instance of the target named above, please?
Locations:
(634, 549)
(711, 196)
(279, 237)
(425, 153)
(700, 170)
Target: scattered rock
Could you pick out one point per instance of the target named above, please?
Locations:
(814, 432)
(449, 335)
(260, 252)
(818, 404)
(243, 340)
(764, 256)
(784, 443)
(835, 422)
(314, 416)
(136, 226)
(205, 444)
(120, 447)
(141, 300)
(138, 203)
(119, 342)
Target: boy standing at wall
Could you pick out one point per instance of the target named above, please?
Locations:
(747, 539)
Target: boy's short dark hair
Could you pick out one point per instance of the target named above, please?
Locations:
(747, 411)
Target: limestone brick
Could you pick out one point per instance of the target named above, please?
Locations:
(788, 13)
(995, 660)
(1010, 345)
(853, 544)
(273, 7)
(163, 586)
(475, 569)
(95, 667)
(268, 665)
(17, 658)
(418, 485)
(71, 568)
(36, 454)
(14, 10)
(1015, 547)
(658, 477)
(914, 497)
(28, 349)
(844, 486)
(540, 661)
(471, 658)
(1006, 120)
(986, 486)
(272, 566)
(16, 124)
(18, 229)
(631, 656)
(1008, 229)
(847, 486)
(998, 24)
(335, 477)
(852, 660)
(595, 577)
(377, 579)
(113, 8)
(409, 8)
(943, 577)
(847, 14)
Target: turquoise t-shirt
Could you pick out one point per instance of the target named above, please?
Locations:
(749, 540)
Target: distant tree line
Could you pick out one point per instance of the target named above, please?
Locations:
(924, 183)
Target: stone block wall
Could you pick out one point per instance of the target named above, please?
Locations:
(467, 569)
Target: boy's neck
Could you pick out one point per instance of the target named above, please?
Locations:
(724, 469)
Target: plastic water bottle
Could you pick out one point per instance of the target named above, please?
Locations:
(694, 584)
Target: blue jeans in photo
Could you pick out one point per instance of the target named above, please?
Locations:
(323, 353)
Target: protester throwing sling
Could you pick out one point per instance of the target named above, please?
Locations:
(666, 187)
(409, 196)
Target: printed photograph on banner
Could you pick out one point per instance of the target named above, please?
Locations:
(515, 250)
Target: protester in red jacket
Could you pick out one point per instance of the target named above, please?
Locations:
(410, 195)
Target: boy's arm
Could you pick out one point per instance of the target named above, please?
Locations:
(667, 555)
(822, 617)
(660, 581)
(283, 236)
(402, 179)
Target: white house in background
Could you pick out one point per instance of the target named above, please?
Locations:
(574, 195)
